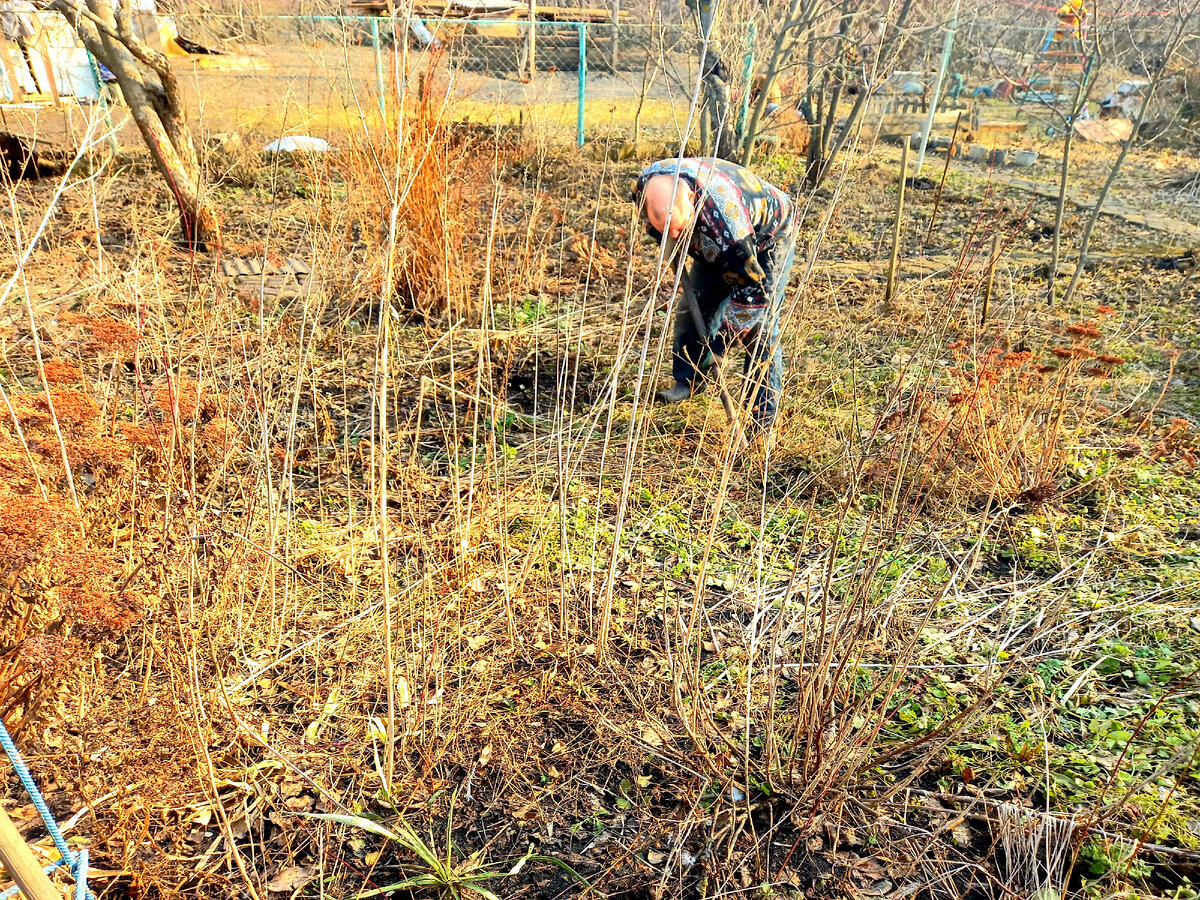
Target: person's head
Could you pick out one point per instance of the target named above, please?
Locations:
(669, 205)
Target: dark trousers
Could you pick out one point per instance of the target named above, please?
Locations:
(704, 284)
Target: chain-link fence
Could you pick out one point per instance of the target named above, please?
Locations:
(567, 81)
(571, 81)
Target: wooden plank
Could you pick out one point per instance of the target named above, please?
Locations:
(43, 49)
(995, 127)
(14, 82)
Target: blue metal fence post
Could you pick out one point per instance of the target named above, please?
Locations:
(747, 72)
(582, 82)
(379, 66)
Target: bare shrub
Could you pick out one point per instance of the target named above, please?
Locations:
(63, 587)
(998, 426)
(433, 179)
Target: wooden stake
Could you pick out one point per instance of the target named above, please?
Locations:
(991, 278)
(616, 35)
(532, 39)
(937, 198)
(21, 864)
(891, 273)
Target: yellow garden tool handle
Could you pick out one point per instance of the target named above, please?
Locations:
(21, 864)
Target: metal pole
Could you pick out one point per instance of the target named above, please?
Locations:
(379, 65)
(616, 5)
(582, 82)
(947, 47)
(532, 38)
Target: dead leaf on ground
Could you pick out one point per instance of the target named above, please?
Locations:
(651, 735)
(290, 879)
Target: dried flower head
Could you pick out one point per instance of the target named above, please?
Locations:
(185, 393)
(1086, 330)
(100, 452)
(59, 371)
(138, 436)
(86, 566)
(1017, 359)
(97, 614)
(1038, 494)
(110, 334)
(15, 469)
(219, 435)
(28, 524)
(46, 653)
(74, 410)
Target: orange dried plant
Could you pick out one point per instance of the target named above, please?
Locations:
(111, 334)
(59, 371)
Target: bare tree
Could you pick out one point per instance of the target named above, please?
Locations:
(800, 18)
(845, 71)
(1185, 24)
(1082, 92)
(151, 92)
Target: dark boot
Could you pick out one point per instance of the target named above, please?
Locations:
(678, 393)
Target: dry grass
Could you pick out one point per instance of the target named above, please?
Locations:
(413, 535)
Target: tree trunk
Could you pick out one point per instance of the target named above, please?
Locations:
(721, 141)
(814, 113)
(1082, 91)
(1172, 46)
(860, 103)
(157, 109)
(1060, 206)
(798, 20)
(716, 94)
(801, 17)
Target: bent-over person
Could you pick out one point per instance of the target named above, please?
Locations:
(741, 239)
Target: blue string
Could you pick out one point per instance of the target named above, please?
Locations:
(13, 891)
(78, 861)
